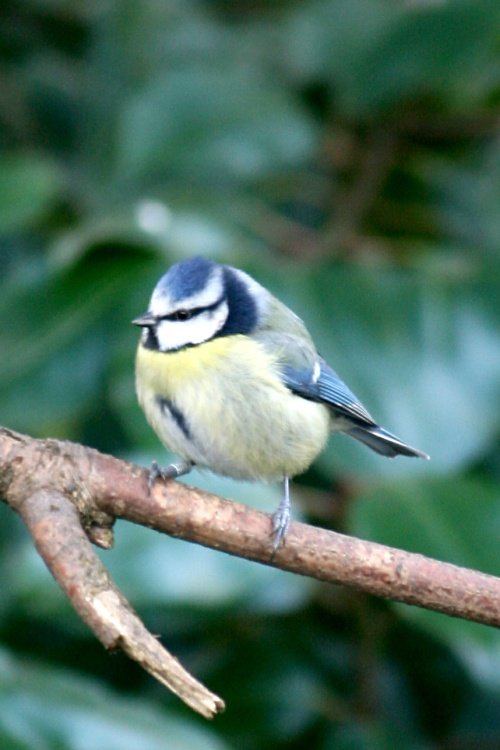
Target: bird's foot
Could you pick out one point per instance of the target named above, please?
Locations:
(172, 471)
(281, 520)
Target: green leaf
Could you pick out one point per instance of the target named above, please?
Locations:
(65, 322)
(46, 709)
(376, 55)
(29, 186)
(428, 49)
(466, 191)
(455, 520)
(372, 735)
(209, 123)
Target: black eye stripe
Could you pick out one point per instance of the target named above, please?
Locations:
(185, 314)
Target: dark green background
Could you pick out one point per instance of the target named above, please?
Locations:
(345, 152)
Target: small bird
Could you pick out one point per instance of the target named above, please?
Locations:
(230, 380)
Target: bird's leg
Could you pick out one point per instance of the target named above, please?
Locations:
(281, 518)
(172, 471)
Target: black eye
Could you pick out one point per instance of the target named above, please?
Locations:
(183, 314)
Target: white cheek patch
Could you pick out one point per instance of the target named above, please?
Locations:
(174, 334)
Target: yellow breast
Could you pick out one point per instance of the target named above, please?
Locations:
(242, 421)
(170, 372)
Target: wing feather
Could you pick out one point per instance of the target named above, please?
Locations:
(326, 387)
(309, 376)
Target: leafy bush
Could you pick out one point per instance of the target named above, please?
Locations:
(346, 153)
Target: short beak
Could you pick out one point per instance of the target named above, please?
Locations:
(144, 320)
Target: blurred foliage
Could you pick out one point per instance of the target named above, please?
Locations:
(347, 153)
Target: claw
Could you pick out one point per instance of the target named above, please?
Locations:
(281, 519)
(172, 471)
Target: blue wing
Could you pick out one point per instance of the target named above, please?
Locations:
(321, 383)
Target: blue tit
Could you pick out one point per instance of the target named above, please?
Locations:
(230, 380)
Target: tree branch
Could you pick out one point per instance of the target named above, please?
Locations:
(54, 524)
(85, 490)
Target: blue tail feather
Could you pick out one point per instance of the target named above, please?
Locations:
(384, 442)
